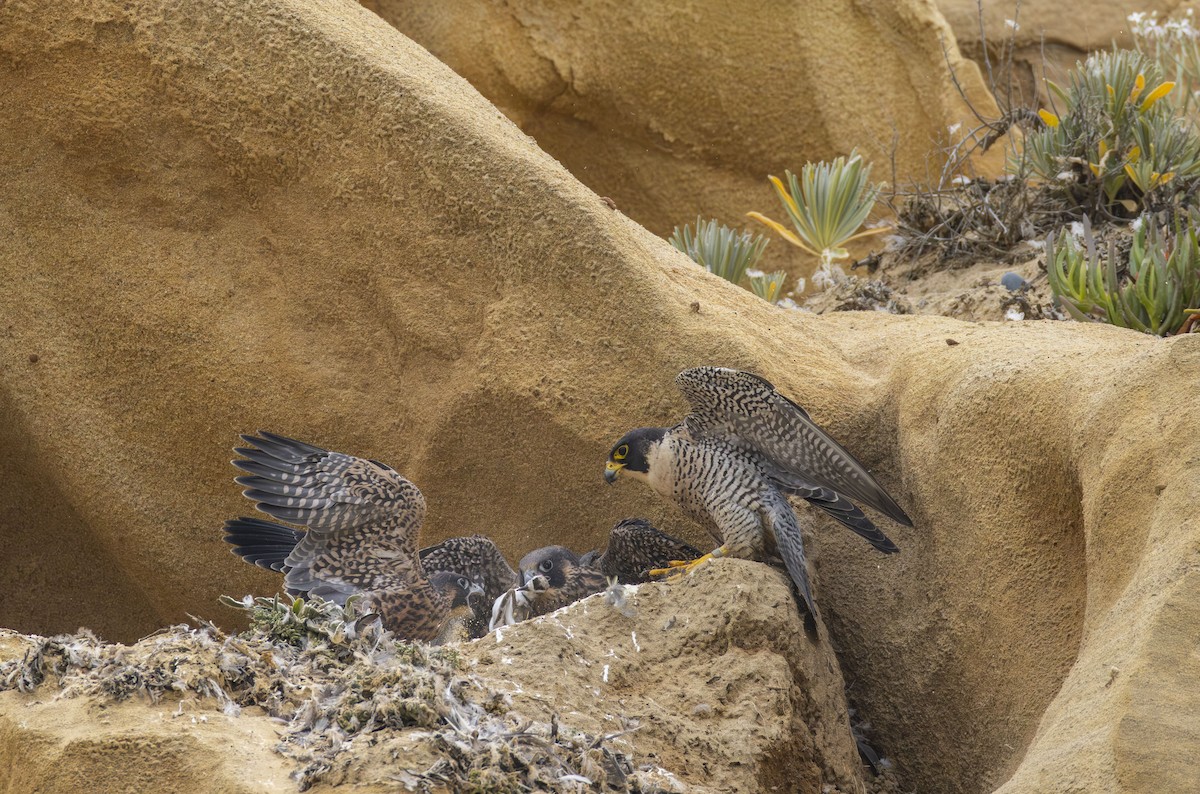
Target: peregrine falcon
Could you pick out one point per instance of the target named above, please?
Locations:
(363, 519)
(732, 462)
(636, 547)
(478, 558)
(554, 576)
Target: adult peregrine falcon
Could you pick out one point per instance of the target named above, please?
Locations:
(732, 462)
(363, 519)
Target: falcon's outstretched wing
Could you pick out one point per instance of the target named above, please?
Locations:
(262, 543)
(362, 517)
(747, 411)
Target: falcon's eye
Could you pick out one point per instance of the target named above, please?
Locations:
(545, 565)
(621, 452)
(463, 583)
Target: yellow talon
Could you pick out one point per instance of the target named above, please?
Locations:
(687, 565)
(672, 566)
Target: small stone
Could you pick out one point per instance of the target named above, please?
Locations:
(1012, 281)
(34, 358)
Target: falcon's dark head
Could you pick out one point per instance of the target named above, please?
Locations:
(551, 563)
(631, 454)
(460, 589)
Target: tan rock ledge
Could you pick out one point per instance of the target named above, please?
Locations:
(707, 684)
(238, 214)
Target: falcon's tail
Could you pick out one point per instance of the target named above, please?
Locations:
(790, 545)
(848, 514)
(262, 543)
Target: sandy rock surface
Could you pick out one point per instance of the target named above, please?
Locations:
(708, 684)
(284, 214)
(1081, 27)
(1049, 39)
(678, 110)
(983, 290)
(67, 746)
(716, 669)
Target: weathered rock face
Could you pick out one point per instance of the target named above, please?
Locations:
(1058, 23)
(676, 112)
(710, 682)
(282, 214)
(1049, 39)
(716, 669)
(67, 746)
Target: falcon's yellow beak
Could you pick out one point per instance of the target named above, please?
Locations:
(611, 470)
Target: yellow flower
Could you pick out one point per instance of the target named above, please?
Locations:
(1099, 165)
(1048, 117)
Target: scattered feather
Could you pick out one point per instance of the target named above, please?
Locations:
(333, 684)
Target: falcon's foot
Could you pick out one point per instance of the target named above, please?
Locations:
(677, 568)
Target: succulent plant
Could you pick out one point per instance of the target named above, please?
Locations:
(1157, 293)
(826, 204)
(768, 286)
(1117, 138)
(720, 249)
(1173, 44)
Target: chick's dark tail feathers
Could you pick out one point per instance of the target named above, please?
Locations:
(262, 543)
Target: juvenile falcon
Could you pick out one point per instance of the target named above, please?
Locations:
(554, 576)
(732, 462)
(636, 547)
(268, 545)
(363, 519)
(478, 558)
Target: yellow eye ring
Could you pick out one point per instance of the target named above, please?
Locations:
(621, 452)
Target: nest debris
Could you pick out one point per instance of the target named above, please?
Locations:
(334, 678)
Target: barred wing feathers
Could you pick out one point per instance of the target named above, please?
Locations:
(362, 516)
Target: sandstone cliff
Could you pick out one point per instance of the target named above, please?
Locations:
(285, 214)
